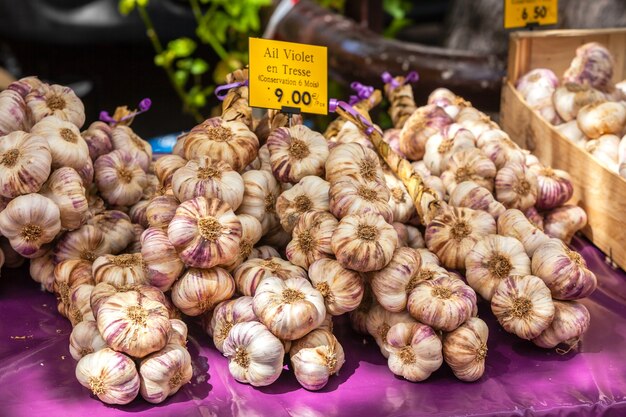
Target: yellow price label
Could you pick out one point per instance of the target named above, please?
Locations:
(287, 74)
(521, 13)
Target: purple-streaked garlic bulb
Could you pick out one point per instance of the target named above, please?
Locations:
(563, 222)
(163, 266)
(415, 351)
(516, 186)
(13, 113)
(55, 100)
(98, 139)
(571, 321)
(593, 65)
(554, 187)
(25, 163)
(119, 177)
(537, 87)
(421, 125)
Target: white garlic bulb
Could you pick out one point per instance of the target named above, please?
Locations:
(469, 165)
(516, 186)
(290, 308)
(571, 321)
(251, 233)
(360, 197)
(164, 372)
(85, 339)
(514, 223)
(564, 221)
(13, 112)
(124, 138)
(65, 188)
(255, 354)
(163, 266)
(425, 122)
(200, 290)
(120, 270)
(25, 163)
(110, 375)
(41, 269)
(263, 252)
(414, 351)
(471, 195)
(226, 315)
(260, 193)
(55, 100)
(537, 87)
(523, 306)
(311, 238)
(161, 210)
(364, 243)
(67, 146)
(296, 152)
(351, 160)
(441, 146)
(120, 179)
(606, 150)
(602, 118)
(379, 321)
(310, 194)
(116, 227)
(492, 259)
(341, 288)
(465, 349)
(166, 166)
(79, 304)
(178, 333)
(250, 273)
(316, 357)
(400, 202)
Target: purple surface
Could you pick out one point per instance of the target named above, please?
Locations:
(37, 371)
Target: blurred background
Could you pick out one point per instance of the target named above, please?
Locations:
(116, 52)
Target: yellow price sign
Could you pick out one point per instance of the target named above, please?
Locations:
(287, 74)
(521, 13)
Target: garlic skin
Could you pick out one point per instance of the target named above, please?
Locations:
(85, 339)
(200, 290)
(164, 372)
(120, 270)
(41, 269)
(55, 100)
(465, 349)
(571, 321)
(226, 315)
(469, 165)
(353, 161)
(166, 166)
(379, 321)
(606, 150)
(310, 194)
(564, 221)
(421, 125)
(296, 152)
(25, 163)
(120, 179)
(415, 351)
(516, 186)
(492, 259)
(571, 131)
(30, 221)
(316, 357)
(400, 202)
(65, 188)
(255, 355)
(290, 308)
(124, 138)
(523, 306)
(600, 119)
(67, 146)
(178, 333)
(471, 195)
(249, 274)
(454, 232)
(260, 193)
(137, 213)
(161, 210)
(593, 65)
(110, 375)
(554, 187)
(13, 113)
(251, 233)
(563, 270)
(341, 288)
(228, 141)
(441, 146)
(208, 178)
(263, 252)
(312, 238)
(205, 232)
(360, 197)
(364, 243)
(569, 98)
(443, 303)
(134, 324)
(98, 139)
(514, 223)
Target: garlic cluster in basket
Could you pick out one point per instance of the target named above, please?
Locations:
(586, 106)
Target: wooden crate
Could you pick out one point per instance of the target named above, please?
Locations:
(601, 192)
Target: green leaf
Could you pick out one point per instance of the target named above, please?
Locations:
(396, 25)
(199, 66)
(126, 6)
(184, 63)
(396, 8)
(142, 3)
(160, 59)
(181, 77)
(197, 96)
(182, 47)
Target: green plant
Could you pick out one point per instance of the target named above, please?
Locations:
(224, 25)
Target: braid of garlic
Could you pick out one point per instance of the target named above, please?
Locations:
(402, 103)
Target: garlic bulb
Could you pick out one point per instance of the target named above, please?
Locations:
(414, 351)
(86, 243)
(251, 233)
(68, 275)
(571, 321)
(121, 270)
(13, 112)
(465, 349)
(600, 119)
(134, 324)
(29, 221)
(469, 165)
(400, 202)
(205, 232)
(571, 131)
(593, 65)
(161, 210)
(255, 355)
(124, 138)
(263, 252)
(110, 375)
(443, 302)
(116, 227)
(25, 162)
(98, 139)
(138, 213)
(606, 150)
(403, 235)
(296, 152)
(311, 238)
(523, 306)
(499, 147)
(310, 194)
(364, 243)
(475, 121)
(392, 138)
(120, 179)
(200, 290)
(316, 357)
(103, 291)
(571, 97)
(341, 288)
(228, 141)
(537, 87)
(379, 321)
(353, 161)
(441, 146)
(492, 259)
(259, 199)
(534, 217)
(178, 333)
(65, 188)
(290, 308)
(564, 221)
(449, 101)
(67, 146)
(166, 166)
(554, 187)
(563, 270)
(226, 315)
(250, 273)
(454, 232)
(350, 133)
(41, 269)
(513, 223)
(516, 186)
(471, 195)
(208, 178)
(415, 239)
(80, 307)
(421, 125)
(358, 316)
(85, 339)
(359, 197)
(164, 372)
(55, 100)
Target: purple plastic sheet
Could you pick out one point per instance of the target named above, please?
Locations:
(37, 371)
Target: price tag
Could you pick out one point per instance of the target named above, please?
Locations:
(521, 13)
(286, 74)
